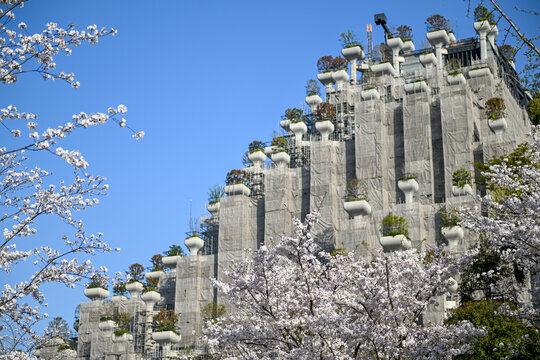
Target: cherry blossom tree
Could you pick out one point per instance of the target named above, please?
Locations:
(289, 300)
(507, 217)
(29, 192)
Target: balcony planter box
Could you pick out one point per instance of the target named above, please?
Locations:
(408, 46)
(462, 190)
(453, 235)
(498, 126)
(166, 337)
(383, 68)
(353, 53)
(155, 275)
(479, 72)
(107, 325)
(313, 101)
(458, 79)
(213, 208)
(134, 289)
(281, 159)
(122, 338)
(285, 124)
(325, 128)
(117, 299)
(326, 79)
(96, 294)
(371, 94)
(415, 87)
(428, 59)
(195, 243)
(357, 208)
(257, 157)
(237, 189)
(408, 187)
(171, 261)
(394, 243)
(439, 37)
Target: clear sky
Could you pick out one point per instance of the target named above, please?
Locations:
(203, 79)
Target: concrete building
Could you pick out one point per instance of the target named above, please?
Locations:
(411, 119)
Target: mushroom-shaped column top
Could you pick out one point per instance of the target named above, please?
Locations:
(353, 53)
(313, 101)
(194, 243)
(438, 38)
(257, 158)
(325, 78)
(482, 28)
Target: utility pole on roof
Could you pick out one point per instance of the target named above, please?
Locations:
(380, 19)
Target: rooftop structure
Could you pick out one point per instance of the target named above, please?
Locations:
(401, 131)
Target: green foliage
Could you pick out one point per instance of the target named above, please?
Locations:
(495, 108)
(95, 284)
(168, 328)
(437, 22)
(236, 177)
(404, 32)
(339, 63)
(174, 250)
(213, 311)
(135, 272)
(326, 111)
(121, 332)
(407, 177)
(419, 80)
(506, 337)
(453, 64)
(312, 88)
(356, 190)
(324, 64)
(348, 39)
(508, 52)
(123, 319)
(534, 109)
(255, 146)
(449, 218)
(369, 88)
(486, 269)
(455, 72)
(481, 13)
(166, 318)
(65, 347)
(393, 225)
(150, 288)
(293, 114)
(461, 177)
(105, 318)
(279, 141)
(156, 261)
(215, 193)
(119, 288)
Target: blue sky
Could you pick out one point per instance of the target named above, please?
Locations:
(203, 79)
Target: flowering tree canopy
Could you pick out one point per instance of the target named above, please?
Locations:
(29, 192)
(290, 300)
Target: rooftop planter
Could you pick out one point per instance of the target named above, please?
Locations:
(235, 183)
(408, 46)
(370, 93)
(281, 159)
(313, 101)
(456, 78)
(353, 53)
(215, 193)
(158, 274)
(166, 337)
(417, 86)
(257, 157)
(479, 72)
(194, 243)
(340, 77)
(438, 37)
(395, 42)
(325, 127)
(116, 299)
(482, 27)
(96, 294)
(395, 233)
(122, 335)
(357, 207)
(213, 208)
(299, 128)
(150, 298)
(326, 79)
(134, 288)
(107, 325)
(408, 186)
(428, 59)
(383, 68)
(498, 126)
(171, 261)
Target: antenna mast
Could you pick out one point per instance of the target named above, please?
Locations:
(369, 43)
